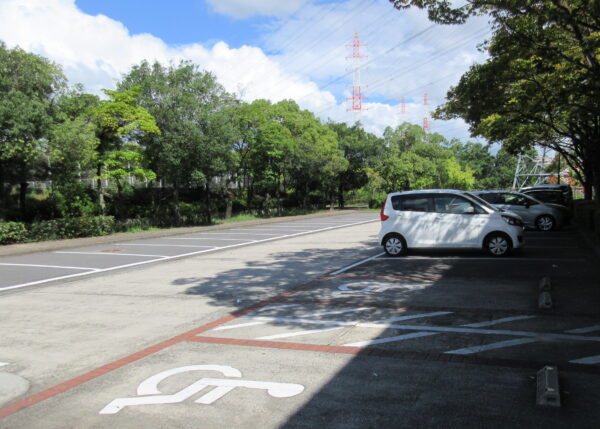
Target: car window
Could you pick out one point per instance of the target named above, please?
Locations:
(411, 203)
(481, 201)
(490, 198)
(515, 200)
(453, 204)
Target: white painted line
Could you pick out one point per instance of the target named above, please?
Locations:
(498, 345)
(427, 328)
(327, 313)
(161, 245)
(22, 285)
(592, 360)
(237, 233)
(477, 258)
(495, 322)
(207, 238)
(3, 363)
(298, 333)
(459, 330)
(390, 339)
(584, 330)
(50, 266)
(335, 273)
(239, 325)
(414, 316)
(275, 307)
(114, 254)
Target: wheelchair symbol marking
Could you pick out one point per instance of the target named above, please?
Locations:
(150, 394)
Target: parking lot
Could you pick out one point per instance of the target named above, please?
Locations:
(345, 337)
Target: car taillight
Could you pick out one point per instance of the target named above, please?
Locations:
(382, 215)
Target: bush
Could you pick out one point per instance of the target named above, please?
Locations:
(12, 232)
(57, 229)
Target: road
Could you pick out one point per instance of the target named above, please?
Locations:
(318, 329)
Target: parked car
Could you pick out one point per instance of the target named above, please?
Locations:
(447, 219)
(554, 196)
(535, 214)
(565, 190)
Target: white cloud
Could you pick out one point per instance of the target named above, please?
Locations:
(307, 60)
(241, 9)
(96, 51)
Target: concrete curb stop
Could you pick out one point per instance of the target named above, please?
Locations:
(548, 391)
(545, 302)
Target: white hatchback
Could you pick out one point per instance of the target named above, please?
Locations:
(447, 219)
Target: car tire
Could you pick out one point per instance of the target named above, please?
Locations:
(498, 244)
(394, 245)
(545, 223)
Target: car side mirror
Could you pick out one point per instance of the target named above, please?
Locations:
(469, 210)
(527, 204)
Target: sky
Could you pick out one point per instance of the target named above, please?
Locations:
(273, 49)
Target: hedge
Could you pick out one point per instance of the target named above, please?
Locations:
(56, 229)
(12, 232)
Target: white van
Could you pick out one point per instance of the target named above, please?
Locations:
(446, 218)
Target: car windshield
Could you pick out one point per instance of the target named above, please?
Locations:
(483, 202)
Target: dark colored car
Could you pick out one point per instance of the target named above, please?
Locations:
(554, 196)
(564, 189)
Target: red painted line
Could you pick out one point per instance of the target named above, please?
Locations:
(278, 345)
(105, 369)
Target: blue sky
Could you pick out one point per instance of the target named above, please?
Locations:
(272, 49)
(178, 21)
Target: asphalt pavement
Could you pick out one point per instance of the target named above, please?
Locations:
(318, 329)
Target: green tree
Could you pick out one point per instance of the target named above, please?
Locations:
(28, 83)
(541, 84)
(361, 149)
(121, 126)
(198, 130)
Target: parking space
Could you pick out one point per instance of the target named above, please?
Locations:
(434, 339)
(34, 269)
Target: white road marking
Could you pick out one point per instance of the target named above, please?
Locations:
(390, 339)
(238, 233)
(498, 345)
(184, 255)
(114, 254)
(495, 322)
(326, 313)
(414, 316)
(161, 245)
(591, 360)
(149, 393)
(206, 238)
(3, 363)
(297, 333)
(239, 325)
(428, 328)
(50, 266)
(356, 264)
(584, 330)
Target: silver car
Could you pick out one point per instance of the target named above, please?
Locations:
(535, 214)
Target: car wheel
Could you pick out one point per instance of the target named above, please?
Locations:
(545, 223)
(394, 245)
(498, 244)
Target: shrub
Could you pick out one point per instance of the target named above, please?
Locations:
(12, 232)
(57, 229)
